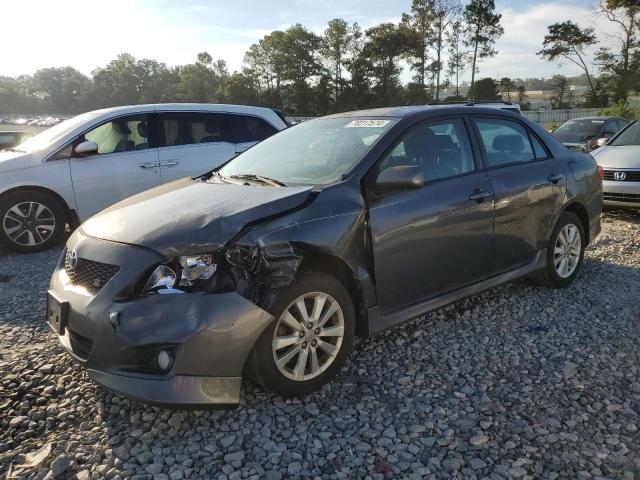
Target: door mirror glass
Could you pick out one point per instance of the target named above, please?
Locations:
(86, 148)
(400, 178)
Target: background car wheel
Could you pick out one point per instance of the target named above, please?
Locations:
(310, 339)
(565, 253)
(30, 221)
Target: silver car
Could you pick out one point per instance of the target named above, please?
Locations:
(620, 159)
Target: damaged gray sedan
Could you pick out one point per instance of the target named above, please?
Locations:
(346, 225)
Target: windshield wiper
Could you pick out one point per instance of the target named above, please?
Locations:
(258, 178)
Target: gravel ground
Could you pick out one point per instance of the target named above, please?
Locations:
(519, 382)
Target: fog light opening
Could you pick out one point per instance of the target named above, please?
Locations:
(163, 360)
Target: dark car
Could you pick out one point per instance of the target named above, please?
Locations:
(13, 139)
(336, 227)
(588, 133)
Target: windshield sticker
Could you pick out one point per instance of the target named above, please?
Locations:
(367, 123)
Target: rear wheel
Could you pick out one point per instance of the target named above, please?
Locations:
(565, 253)
(310, 339)
(30, 221)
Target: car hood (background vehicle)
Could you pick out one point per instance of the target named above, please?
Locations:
(572, 137)
(624, 156)
(191, 216)
(11, 160)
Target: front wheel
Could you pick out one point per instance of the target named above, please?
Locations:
(310, 339)
(30, 221)
(565, 252)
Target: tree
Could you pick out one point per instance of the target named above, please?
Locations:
(559, 92)
(621, 70)
(335, 44)
(506, 86)
(485, 89)
(522, 97)
(567, 41)
(417, 34)
(203, 80)
(483, 29)
(384, 47)
(445, 16)
(458, 60)
(61, 89)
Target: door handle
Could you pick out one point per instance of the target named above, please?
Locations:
(149, 165)
(170, 163)
(555, 177)
(479, 195)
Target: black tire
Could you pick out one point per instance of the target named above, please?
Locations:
(261, 365)
(20, 197)
(549, 277)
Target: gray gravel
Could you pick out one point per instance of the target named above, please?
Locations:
(519, 382)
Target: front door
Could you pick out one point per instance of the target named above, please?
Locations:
(124, 164)
(528, 185)
(437, 238)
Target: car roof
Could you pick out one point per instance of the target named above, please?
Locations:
(596, 117)
(424, 110)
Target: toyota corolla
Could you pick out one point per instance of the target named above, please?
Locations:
(340, 226)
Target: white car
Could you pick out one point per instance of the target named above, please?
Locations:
(620, 159)
(73, 170)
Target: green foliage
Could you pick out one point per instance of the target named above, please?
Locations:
(483, 29)
(622, 109)
(485, 89)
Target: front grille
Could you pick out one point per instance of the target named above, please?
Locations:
(89, 274)
(80, 345)
(630, 176)
(622, 197)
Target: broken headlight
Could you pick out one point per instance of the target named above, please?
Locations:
(195, 268)
(161, 278)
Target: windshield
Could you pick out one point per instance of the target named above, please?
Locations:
(629, 136)
(317, 152)
(50, 135)
(581, 126)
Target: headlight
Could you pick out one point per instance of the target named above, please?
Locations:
(196, 267)
(162, 277)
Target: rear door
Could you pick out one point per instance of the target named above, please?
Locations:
(192, 143)
(528, 186)
(436, 238)
(247, 130)
(126, 163)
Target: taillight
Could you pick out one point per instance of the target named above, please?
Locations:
(601, 172)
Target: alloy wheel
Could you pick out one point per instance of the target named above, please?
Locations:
(308, 336)
(29, 223)
(566, 252)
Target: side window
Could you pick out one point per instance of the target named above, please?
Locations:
(538, 148)
(622, 124)
(250, 129)
(504, 141)
(122, 134)
(441, 149)
(610, 127)
(188, 128)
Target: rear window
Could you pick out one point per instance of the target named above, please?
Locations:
(189, 128)
(246, 128)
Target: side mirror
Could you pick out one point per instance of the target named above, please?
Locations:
(86, 148)
(400, 178)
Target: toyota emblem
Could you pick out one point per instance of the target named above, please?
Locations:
(620, 176)
(72, 259)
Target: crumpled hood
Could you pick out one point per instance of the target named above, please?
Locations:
(624, 156)
(573, 137)
(10, 160)
(191, 216)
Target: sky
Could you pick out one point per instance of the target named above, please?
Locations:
(86, 34)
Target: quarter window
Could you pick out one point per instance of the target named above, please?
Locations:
(505, 142)
(441, 149)
(538, 148)
(121, 135)
(189, 128)
(250, 129)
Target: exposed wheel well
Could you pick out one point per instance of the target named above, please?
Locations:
(582, 214)
(337, 268)
(71, 215)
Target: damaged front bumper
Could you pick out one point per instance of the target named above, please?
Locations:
(206, 337)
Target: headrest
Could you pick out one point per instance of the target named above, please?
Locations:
(212, 127)
(508, 143)
(445, 142)
(419, 142)
(121, 127)
(143, 129)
